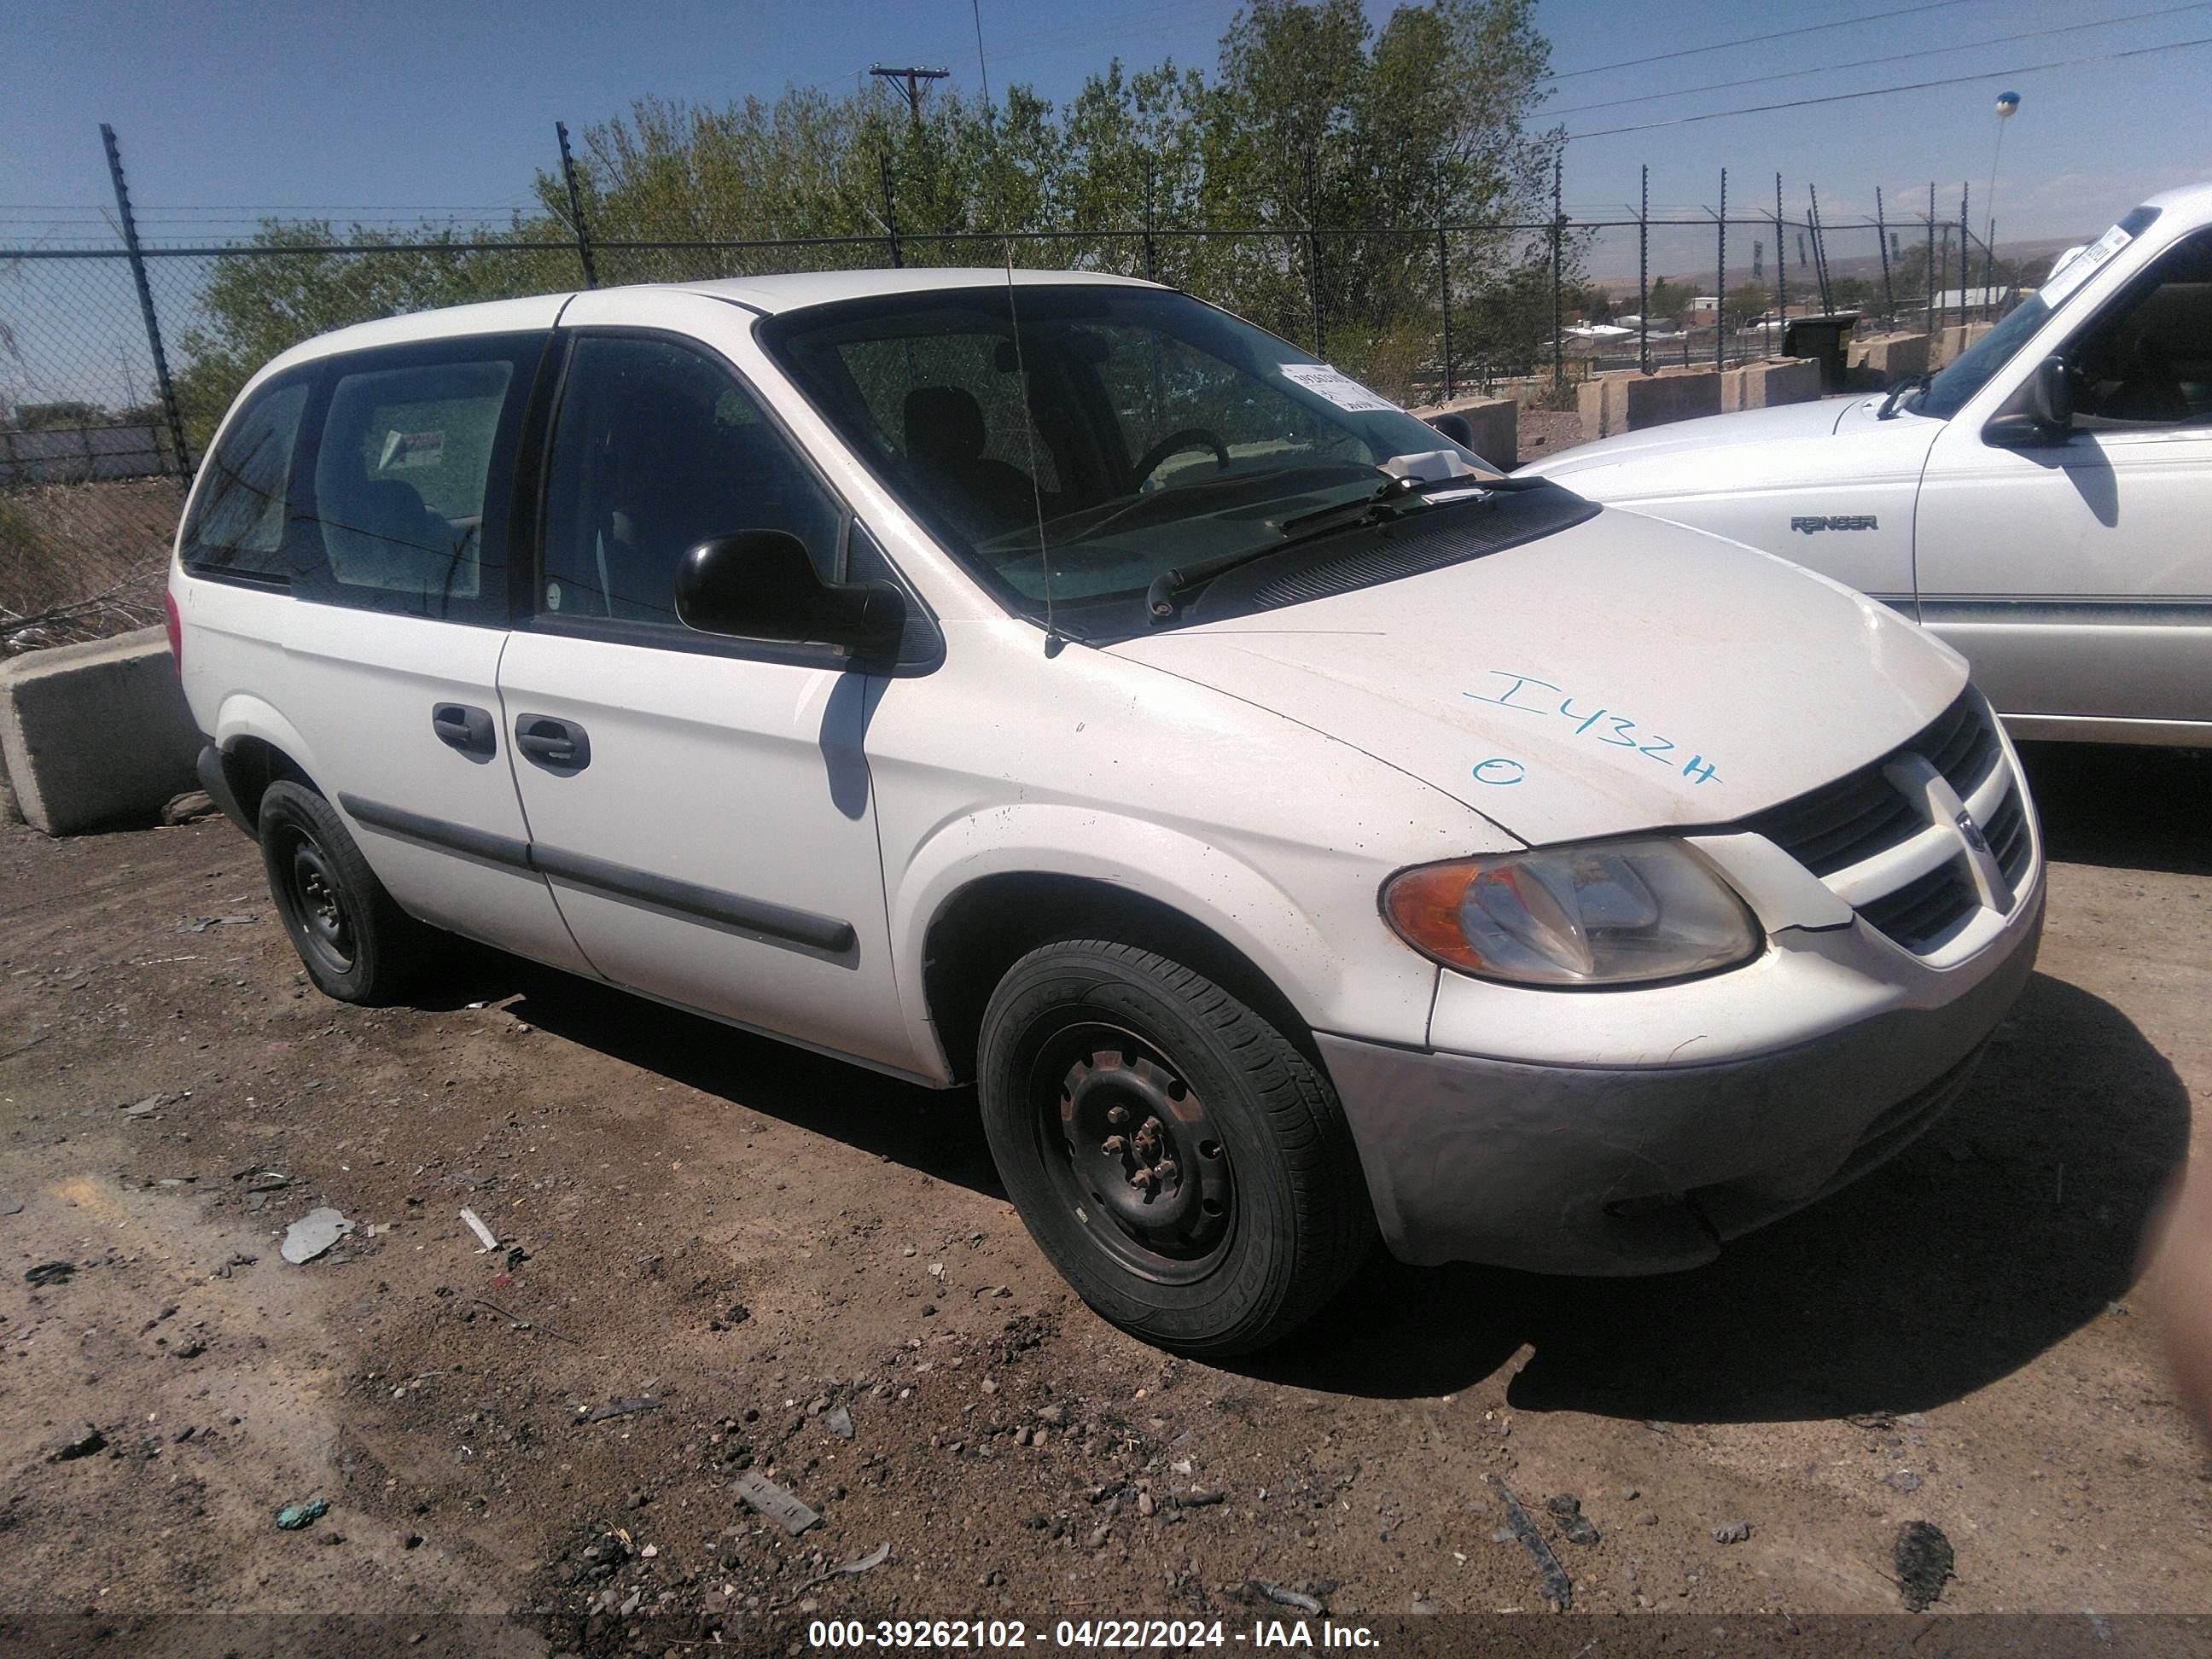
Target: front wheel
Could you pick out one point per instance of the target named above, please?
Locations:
(1180, 1161)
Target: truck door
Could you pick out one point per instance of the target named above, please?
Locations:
(2076, 574)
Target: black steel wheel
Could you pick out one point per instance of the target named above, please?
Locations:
(1135, 1149)
(1181, 1161)
(356, 943)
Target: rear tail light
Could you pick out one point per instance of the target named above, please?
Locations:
(176, 627)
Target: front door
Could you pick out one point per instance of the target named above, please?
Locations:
(701, 804)
(2076, 575)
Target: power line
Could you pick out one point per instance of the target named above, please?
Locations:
(1892, 57)
(1886, 92)
(1754, 40)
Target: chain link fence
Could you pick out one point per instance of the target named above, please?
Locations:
(118, 362)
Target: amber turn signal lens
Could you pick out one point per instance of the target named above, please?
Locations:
(1424, 906)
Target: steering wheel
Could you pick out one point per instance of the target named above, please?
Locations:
(1190, 437)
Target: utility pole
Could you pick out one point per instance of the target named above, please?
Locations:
(913, 78)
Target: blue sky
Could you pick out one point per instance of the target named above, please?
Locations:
(373, 111)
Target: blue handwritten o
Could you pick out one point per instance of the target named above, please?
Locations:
(1482, 772)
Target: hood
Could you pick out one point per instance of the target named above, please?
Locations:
(1709, 432)
(1760, 453)
(1625, 674)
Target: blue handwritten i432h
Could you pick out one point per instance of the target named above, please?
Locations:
(1528, 694)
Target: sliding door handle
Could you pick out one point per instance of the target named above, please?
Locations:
(471, 731)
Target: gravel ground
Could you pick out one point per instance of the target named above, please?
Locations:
(812, 1275)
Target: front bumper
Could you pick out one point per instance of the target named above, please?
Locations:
(1632, 1170)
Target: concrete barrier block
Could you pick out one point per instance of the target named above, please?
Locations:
(1882, 360)
(1590, 404)
(1613, 403)
(1496, 423)
(1764, 385)
(94, 733)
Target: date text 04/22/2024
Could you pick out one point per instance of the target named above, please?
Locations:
(1087, 1635)
(1525, 695)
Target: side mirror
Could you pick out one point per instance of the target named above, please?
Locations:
(1457, 427)
(761, 584)
(2040, 413)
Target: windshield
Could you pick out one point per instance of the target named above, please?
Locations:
(1949, 392)
(1142, 430)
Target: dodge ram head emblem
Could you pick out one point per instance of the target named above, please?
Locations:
(1814, 524)
(1973, 832)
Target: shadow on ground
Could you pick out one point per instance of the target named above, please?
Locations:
(2129, 809)
(2012, 1223)
(934, 1131)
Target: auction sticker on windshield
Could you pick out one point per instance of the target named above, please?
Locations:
(1339, 388)
(2084, 265)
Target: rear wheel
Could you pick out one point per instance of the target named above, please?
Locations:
(356, 943)
(1181, 1162)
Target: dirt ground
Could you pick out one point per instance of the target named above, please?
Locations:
(809, 1274)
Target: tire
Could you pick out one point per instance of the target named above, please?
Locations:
(355, 943)
(1185, 1166)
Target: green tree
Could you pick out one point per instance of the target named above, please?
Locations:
(1669, 298)
(1318, 162)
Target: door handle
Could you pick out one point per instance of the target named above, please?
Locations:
(469, 730)
(555, 744)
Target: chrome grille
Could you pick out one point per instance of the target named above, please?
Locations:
(1849, 831)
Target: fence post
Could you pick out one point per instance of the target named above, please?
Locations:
(1720, 280)
(1559, 321)
(1443, 289)
(1313, 265)
(1882, 239)
(1150, 275)
(1643, 272)
(1819, 250)
(1935, 322)
(890, 211)
(162, 380)
(1781, 266)
(576, 207)
(1965, 251)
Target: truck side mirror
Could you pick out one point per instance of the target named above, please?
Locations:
(762, 585)
(2040, 413)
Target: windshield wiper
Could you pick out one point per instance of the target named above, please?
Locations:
(1161, 598)
(1898, 393)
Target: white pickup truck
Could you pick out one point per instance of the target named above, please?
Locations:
(2042, 504)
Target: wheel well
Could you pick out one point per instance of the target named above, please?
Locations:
(992, 923)
(251, 765)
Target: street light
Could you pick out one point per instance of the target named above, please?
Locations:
(2007, 107)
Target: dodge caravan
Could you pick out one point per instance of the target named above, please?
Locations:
(1297, 833)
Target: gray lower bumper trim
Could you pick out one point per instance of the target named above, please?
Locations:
(1598, 1170)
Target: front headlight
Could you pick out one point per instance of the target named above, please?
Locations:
(1610, 913)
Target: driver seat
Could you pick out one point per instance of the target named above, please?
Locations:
(945, 439)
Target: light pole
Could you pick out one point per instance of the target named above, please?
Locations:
(2007, 107)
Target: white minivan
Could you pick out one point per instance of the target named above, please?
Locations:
(1298, 832)
(2042, 504)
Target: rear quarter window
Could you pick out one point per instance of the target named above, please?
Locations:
(236, 523)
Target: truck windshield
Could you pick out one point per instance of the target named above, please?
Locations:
(1949, 392)
(1123, 432)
